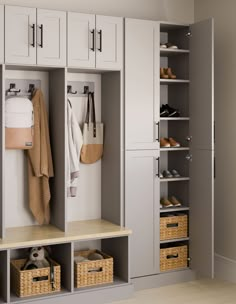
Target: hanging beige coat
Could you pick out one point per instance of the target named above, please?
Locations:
(40, 167)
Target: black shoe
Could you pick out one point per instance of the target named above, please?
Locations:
(171, 111)
(163, 111)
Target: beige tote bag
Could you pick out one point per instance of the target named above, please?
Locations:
(92, 148)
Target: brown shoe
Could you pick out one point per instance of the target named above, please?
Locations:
(166, 203)
(163, 73)
(169, 73)
(164, 143)
(173, 143)
(173, 200)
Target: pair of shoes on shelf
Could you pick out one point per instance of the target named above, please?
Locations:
(166, 73)
(169, 143)
(167, 111)
(170, 202)
(168, 45)
(170, 174)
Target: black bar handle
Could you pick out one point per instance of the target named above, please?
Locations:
(33, 28)
(100, 34)
(158, 132)
(93, 41)
(158, 163)
(41, 29)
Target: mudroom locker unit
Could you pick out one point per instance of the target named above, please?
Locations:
(117, 208)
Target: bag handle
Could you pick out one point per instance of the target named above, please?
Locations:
(92, 111)
(88, 110)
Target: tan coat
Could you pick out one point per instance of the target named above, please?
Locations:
(40, 166)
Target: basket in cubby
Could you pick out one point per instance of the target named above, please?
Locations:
(173, 227)
(25, 283)
(91, 273)
(173, 258)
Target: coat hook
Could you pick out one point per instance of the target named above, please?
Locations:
(69, 90)
(13, 89)
(31, 88)
(86, 89)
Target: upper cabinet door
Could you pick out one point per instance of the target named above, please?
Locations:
(1, 33)
(109, 42)
(202, 212)
(20, 35)
(51, 37)
(141, 84)
(202, 85)
(81, 40)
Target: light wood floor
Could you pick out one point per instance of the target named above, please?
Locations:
(197, 292)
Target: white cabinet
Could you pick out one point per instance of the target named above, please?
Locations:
(51, 37)
(81, 40)
(1, 33)
(95, 41)
(141, 78)
(31, 42)
(142, 203)
(109, 42)
(20, 31)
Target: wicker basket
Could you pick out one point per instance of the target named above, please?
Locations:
(173, 258)
(173, 227)
(90, 273)
(27, 283)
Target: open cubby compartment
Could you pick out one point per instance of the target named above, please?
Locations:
(4, 278)
(99, 193)
(118, 249)
(178, 64)
(179, 130)
(177, 160)
(14, 162)
(60, 253)
(177, 34)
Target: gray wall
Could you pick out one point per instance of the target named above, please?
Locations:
(225, 113)
(173, 10)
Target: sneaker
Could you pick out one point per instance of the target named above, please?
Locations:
(164, 111)
(174, 201)
(166, 203)
(164, 143)
(163, 45)
(173, 143)
(171, 46)
(175, 173)
(172, 112)
(161, 175)
(167, 174)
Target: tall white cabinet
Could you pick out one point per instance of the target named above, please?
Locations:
(1, 33)
(191, 92)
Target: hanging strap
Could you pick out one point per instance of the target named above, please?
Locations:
(88, 110)
(91, 110)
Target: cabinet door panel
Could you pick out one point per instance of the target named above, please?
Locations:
(81, 40)
(141, 211)
(202, 212)
(141, 84)
(51, 38)
(109, 42)
(1, 33)
(202, 85)
(19, 46)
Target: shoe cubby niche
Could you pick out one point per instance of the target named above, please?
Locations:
(175, 94)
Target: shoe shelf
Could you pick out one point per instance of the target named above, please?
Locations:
(174, 179)
(174, 81)
(174, 149)
(174, 118)
(175, 240)
(173, 209)
(172, 52)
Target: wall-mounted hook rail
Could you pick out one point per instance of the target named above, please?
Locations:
(21, 87)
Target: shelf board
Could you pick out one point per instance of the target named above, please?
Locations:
(174, 209)
(117, 282)
(173, 179)
(174, 81)
(48, 234)
(174, 149)
(174, 118)
(16, 299)
(172, 52)
(174, 240)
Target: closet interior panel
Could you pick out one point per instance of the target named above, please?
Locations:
(112, 162)
(57, 113)
(4, 294)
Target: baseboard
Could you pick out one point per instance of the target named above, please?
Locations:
(163, 279)
(225, 268)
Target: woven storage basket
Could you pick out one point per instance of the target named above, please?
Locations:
(26, 283)
(173, 258)
(173, 227)
(91, 273)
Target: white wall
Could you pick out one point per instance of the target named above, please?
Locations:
(174, 10)
(225, 113)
